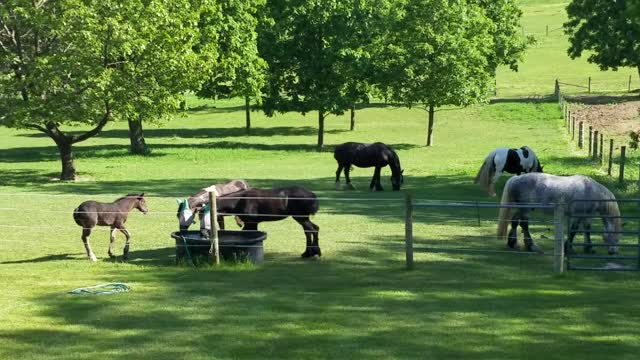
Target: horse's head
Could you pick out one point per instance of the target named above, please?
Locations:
(538, 167)
(612, 225)
(397, 180)
(141, 204)
(186, 216)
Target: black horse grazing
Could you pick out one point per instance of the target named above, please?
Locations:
(376, 155)
(253, 206)
(91, 213)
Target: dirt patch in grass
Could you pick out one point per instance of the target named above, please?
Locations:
(612, 115)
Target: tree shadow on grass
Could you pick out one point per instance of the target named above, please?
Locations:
(209, 132)
(528, 99)
(602, 99)
(362, 302)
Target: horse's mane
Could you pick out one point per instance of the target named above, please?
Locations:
(128, 196)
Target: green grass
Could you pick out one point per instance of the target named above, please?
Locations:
(358, 301)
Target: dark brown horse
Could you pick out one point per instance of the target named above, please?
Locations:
(254, 206)
(91, 213)
(376, 155)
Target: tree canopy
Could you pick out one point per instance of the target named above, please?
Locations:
(315, 51)
(72, 62)
(605, 30)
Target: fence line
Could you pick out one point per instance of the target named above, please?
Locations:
(595, 148)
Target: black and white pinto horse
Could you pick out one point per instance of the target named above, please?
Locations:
(514, 161)
(583, 197)
(376, 155)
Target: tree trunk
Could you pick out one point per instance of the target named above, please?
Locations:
(66, 157)
(430, 126)
(320, 130)
(136, 136)
(353, 117)
(247, 113)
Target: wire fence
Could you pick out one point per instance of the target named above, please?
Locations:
(456, 229)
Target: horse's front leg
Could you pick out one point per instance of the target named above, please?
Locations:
(85, 239)
(125, 252)
(340, 167)
(112, 239)
(375, 180)
(347, 169)
(588, 249)
(220, 222)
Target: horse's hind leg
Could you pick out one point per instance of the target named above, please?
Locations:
(588, 249)
(512, 239)
(529, 244)
(338, 187)
(112, 240)
(347, 169)
(568, 246)
(311, 235)
(85, 239)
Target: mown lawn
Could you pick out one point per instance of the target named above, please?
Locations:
(358, 301)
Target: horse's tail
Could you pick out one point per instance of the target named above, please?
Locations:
(504, 215)
(487, 170)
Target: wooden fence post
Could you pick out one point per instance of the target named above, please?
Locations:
(589, 84)
(580, 134)
(590, 140)
(573, 128)
(558, 248)
(629, 83)
(568, 121)
(595, 145)
(610, 157)
(214, 249)
(601, 155)
(556, 90)
(623, 150)
(408, 231)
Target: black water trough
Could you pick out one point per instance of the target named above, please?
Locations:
(234, 245)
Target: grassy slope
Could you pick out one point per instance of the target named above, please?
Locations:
(357, 302)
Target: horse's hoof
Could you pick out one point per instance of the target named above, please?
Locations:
(111, 255)
(492, 194)
(534, 248)
(93, 258)
(338, 186)
(349, 187)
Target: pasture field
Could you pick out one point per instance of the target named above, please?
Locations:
(357, 302)
(547, 60)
